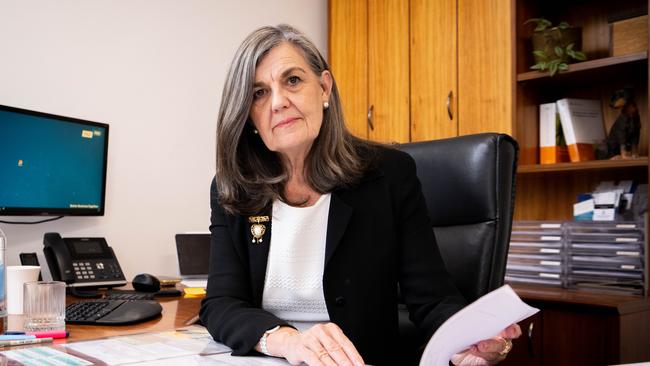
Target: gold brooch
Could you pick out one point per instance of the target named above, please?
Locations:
(257, 228)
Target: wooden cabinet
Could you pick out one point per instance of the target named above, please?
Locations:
(581, 328)
(369, 52)
(416, 72)
(434, 69)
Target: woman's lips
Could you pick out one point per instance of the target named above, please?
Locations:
(285, 122)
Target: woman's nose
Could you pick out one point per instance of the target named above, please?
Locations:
(279, 100)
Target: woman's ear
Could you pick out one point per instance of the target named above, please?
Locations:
(326, 83)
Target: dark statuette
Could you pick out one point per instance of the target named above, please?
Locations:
(623, 137)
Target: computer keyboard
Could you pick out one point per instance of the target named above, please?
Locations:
(111, 312)
(128, 295)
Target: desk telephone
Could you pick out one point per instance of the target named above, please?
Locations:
(82, 262)
(91, 263)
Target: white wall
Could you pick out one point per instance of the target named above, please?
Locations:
(153, 70)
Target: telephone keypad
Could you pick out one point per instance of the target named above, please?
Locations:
(96, 270)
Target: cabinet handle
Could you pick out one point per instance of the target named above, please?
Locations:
(531, 349)
(449, 112)
(372, 127)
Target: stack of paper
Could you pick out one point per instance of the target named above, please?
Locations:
(482, 319)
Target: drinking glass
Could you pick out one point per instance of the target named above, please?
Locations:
(44, 305)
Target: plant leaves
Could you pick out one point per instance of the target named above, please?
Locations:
(563, 25)
(558, 51)
(540, 23)
(563, 66)
(540, 54)
(532, 20)
(569, 46)
(552, 68)
(579, 56)
(539, 66)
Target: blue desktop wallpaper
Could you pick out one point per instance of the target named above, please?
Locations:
(49, 163)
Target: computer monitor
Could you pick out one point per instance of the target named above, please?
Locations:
(51, 165)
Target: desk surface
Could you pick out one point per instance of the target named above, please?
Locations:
(175, 314)
(622, 304)
(177, 311)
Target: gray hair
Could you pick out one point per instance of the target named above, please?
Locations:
(250, 176)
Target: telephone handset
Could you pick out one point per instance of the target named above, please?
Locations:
(82, 262)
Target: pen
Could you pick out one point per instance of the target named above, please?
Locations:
(14, 337)
(23, 342)
(56, 334)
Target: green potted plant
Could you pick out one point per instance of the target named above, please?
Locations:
(554, 47)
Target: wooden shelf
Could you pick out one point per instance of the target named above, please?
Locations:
(585, 165)
(581, 67)
(623, 304)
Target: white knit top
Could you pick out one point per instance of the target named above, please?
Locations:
(293, 289)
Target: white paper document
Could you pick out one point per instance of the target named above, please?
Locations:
(217, 360)
(42, 356)
(482, 319)
(153, 347)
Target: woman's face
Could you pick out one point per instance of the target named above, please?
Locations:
(288, 98)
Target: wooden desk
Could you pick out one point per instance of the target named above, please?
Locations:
(582, 328)
(176, 312)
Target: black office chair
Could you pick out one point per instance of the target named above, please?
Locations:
(469, 185)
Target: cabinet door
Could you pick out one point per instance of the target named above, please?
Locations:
(527, 349)
(388, 70)
(348, 54)
(485, 66)
(434, 95)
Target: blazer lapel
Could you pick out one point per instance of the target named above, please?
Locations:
(339, 216)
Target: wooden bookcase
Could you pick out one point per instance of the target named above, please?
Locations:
(574, 327)
(547, 192)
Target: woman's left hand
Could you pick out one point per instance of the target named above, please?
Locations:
(490, 351)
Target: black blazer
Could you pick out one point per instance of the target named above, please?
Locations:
(378, 235)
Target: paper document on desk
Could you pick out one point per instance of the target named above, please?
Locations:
(482, 319)
(218, 360)
(150, 347)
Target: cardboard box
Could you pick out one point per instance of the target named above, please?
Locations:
(629, 36)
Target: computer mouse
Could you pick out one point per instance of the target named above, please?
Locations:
(146, 283)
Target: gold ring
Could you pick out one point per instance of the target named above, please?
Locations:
(507, 346)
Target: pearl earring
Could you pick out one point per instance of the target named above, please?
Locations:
(326, 105)
(255, 131)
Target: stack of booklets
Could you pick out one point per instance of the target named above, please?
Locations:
(582, 130)
(606, 256)
(536, 254)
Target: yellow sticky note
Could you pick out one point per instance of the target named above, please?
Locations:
(194, 291)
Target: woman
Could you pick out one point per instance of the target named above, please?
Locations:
(312, 228)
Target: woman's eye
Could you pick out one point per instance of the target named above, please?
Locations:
(293, 80)
(259, 93)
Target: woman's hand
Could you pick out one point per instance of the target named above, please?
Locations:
(490, 351)
(320, 345)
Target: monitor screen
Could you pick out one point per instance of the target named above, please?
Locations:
(51, 165)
